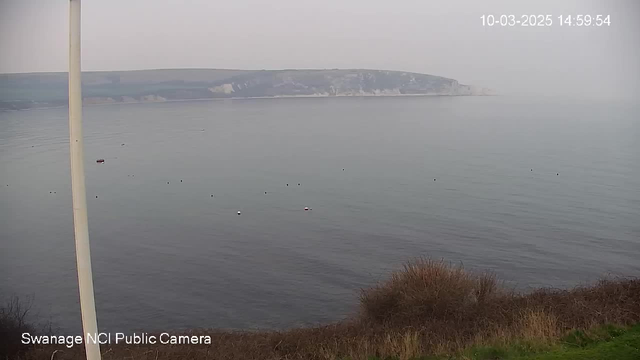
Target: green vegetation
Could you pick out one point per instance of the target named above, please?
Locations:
(621, 344)
(601, 343)
(433, 310)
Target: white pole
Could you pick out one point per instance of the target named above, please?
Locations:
(78, 191)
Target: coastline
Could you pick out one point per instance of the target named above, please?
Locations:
(85, 104)
(427, 310)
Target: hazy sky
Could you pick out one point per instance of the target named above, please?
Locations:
(428, 36)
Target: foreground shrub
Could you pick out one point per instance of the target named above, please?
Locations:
(13, 322)
(428, 290)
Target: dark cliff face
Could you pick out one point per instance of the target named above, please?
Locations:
(18, 91)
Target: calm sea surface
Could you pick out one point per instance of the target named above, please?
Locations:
(545, 192)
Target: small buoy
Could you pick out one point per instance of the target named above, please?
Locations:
(434, 179)
(298, 184)
(122, 145)
(265, 192)
(96, 196)
(557, 173)
(31, 145)
(531, 169)
(342, 169)
(100, 161)
(50, 192)
(239, 213)
(55, 192)
(180, 180)
(167, 182)
(211, 195)
(306, 208)
(287, 184)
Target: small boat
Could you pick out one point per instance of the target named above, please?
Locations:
(100, 161)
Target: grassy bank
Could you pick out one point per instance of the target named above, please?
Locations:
(434, 310)
(598, 343)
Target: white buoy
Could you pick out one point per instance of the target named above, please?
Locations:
(239, 213)
(306, 208)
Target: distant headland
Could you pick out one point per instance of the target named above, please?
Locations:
(39, 90)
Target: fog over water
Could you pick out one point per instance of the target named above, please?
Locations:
(436, 37)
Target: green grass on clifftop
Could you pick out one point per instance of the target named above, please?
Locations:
(602, 343)
(605, 343)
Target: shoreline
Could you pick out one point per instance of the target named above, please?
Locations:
(84, 103)
(427, 309)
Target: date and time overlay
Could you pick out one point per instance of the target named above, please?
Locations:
(511, 20)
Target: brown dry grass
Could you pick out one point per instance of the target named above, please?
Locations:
(429, 307)
(428, 290)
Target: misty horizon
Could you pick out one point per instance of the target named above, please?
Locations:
(445, 40)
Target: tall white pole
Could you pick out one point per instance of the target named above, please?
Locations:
(78, 191)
